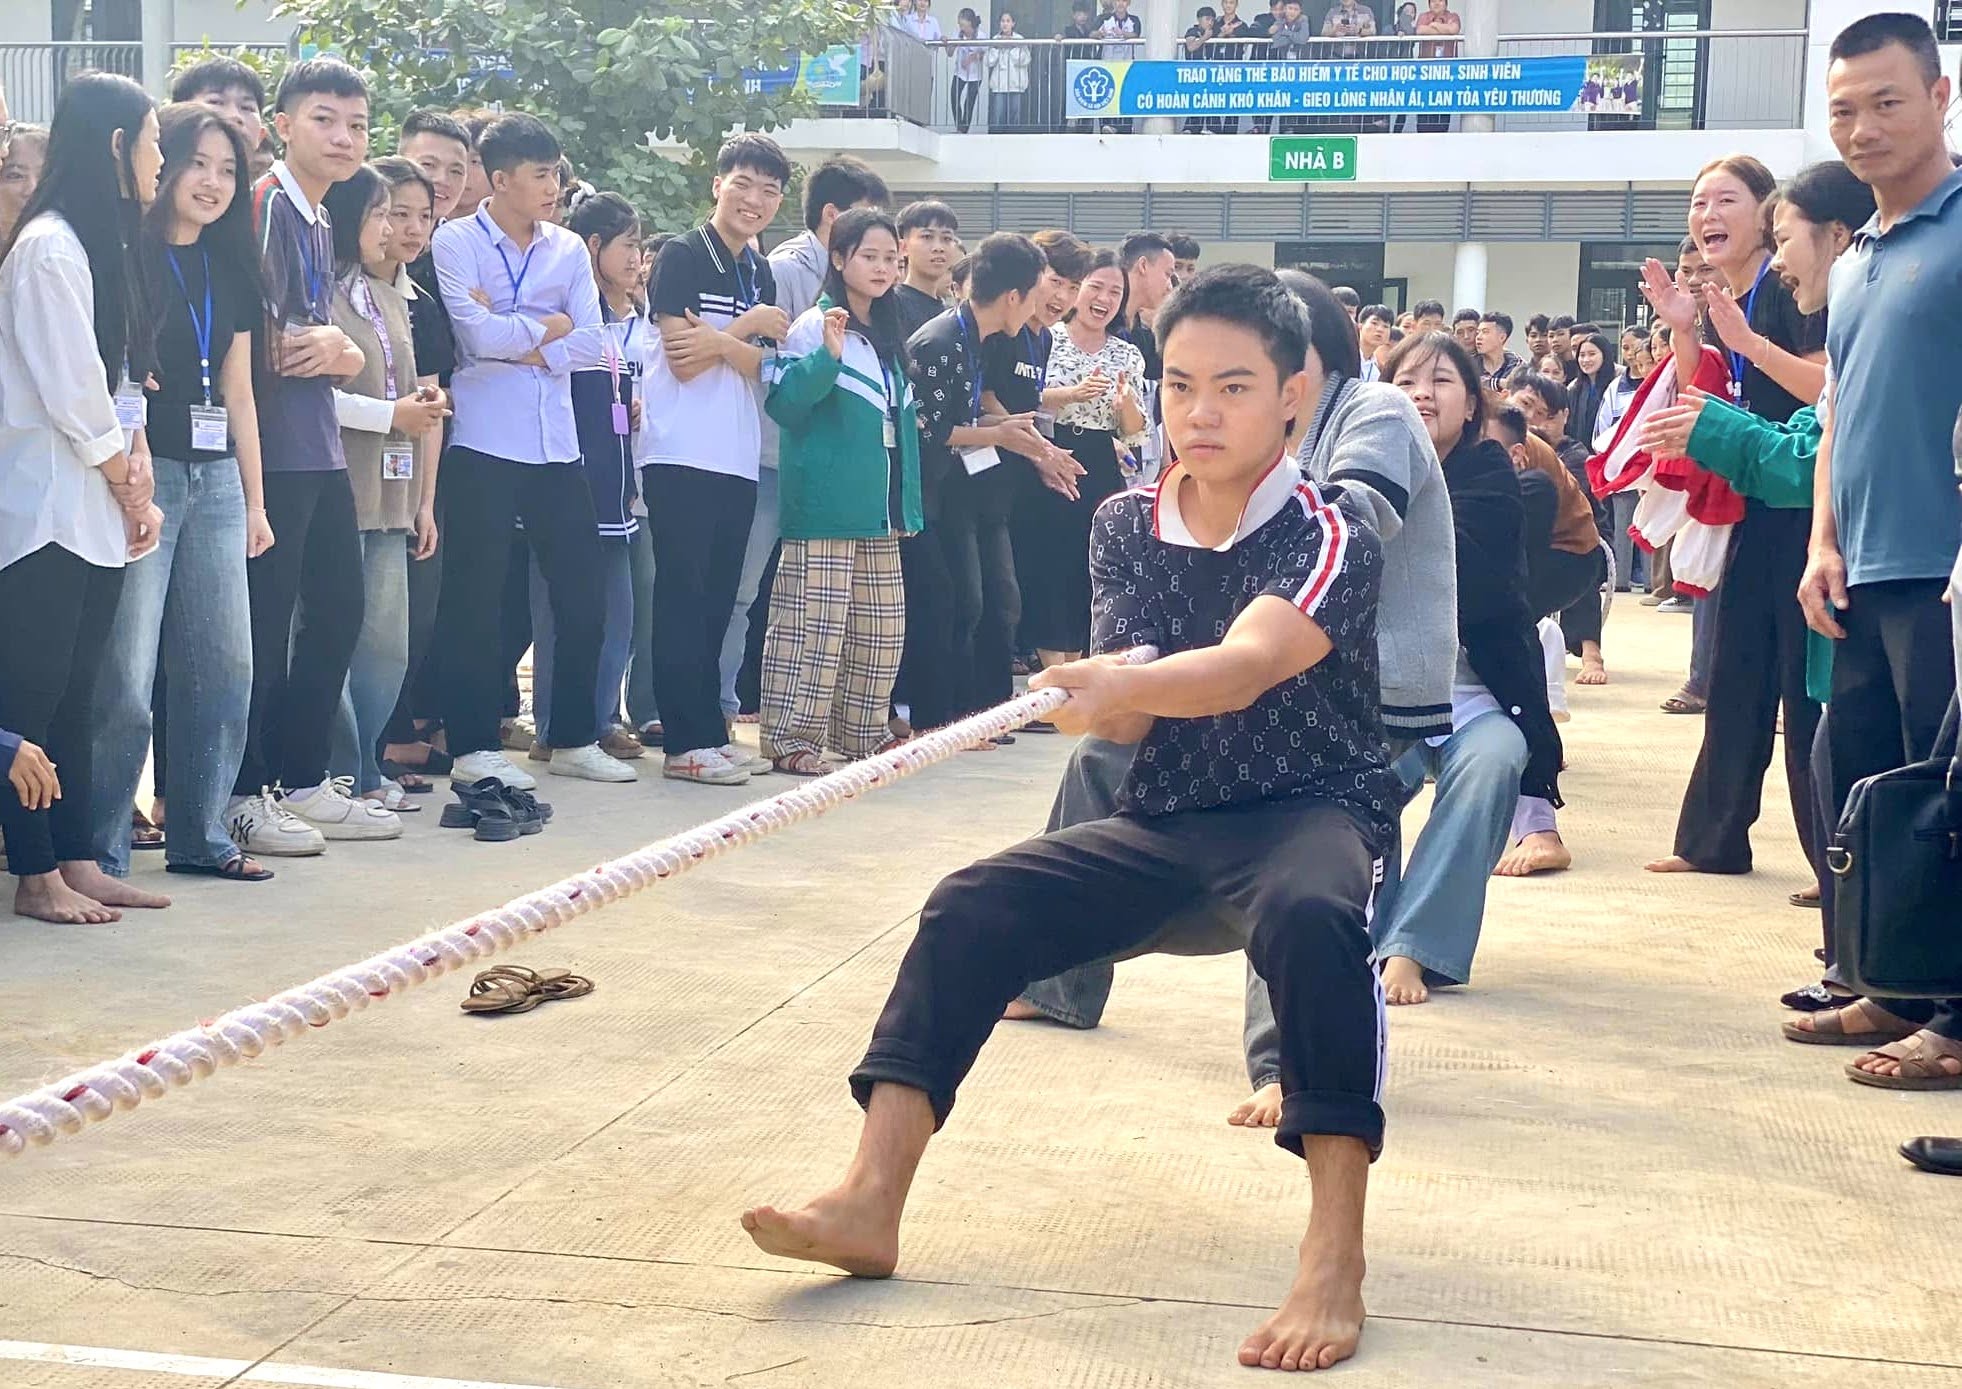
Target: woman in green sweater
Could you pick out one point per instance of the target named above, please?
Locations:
(1813, 221)
(849, 486)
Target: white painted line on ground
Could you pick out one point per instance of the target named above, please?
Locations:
(315, 1376)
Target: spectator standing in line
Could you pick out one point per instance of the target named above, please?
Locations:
(714, 299)
(1374, 326)
(1118, 25)
(1536, 337)
(929, 238)
(387, 417)
(1464, 327)
(76, 323)
(187, 608)
(1008, 78)
(1631, 561)
(1071, 48)
(1426, 316)
(1185, 256)
(970, 64)
(1560, 344)
(1439, 27)
(235, 92)
(24, 154)
(1885, 506)
(1496, 364)
(1290, 37)
(1197, 38)
(919, 21)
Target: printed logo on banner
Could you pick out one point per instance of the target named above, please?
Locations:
(1094, 87)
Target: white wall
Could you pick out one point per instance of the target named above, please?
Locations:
(1237, 253)
(225, 23)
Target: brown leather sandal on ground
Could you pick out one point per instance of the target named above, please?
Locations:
(1828, 1028)
(515, 989)
(1920, 1058)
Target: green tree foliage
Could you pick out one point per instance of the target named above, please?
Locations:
(604, 74)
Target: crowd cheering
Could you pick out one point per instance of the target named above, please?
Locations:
(299, 459)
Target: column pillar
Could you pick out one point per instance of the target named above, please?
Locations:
(1468, 278)
(158, 20)
(1481, 40)
(1161, 40)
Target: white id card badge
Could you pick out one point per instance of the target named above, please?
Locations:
(978, 461)
(398, 462)
(891, 433)
(210, 429)
(132, 409)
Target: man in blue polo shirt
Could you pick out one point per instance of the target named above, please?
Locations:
(1886, 516)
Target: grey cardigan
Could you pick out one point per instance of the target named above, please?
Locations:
(1367, 437)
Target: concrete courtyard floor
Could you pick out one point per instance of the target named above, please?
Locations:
(1604, 1165)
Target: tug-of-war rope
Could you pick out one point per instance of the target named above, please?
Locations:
(70, 1104)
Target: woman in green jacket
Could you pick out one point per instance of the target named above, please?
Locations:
(849, 483)
(1813, 221)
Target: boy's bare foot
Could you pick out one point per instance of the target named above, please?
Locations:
(1018, 1011)
(45, 897)
(1318, 1323)
(1594, 671)
(1260, 1110)
(1675, 863)
(1543, 852)
(89, 880)
(853, 1230)
(1403, 981)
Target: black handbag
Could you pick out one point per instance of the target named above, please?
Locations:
(1896, 863)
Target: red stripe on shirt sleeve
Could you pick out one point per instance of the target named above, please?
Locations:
(1335, 543)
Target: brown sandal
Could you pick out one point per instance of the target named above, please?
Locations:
(803, 762)
(515, 989)
(1920, 1058)
(1828, 1028)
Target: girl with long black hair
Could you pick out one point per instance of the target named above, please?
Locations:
(76, 490)
(186, 609)
(849, 488)
(386, 416)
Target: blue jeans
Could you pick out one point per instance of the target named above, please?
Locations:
(381, 659)
(1441, 904)
(186, 604)
(642, 707)
(763, 528)
(1703, 638)
(616, 634)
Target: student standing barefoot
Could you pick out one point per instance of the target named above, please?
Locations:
(1289, 633)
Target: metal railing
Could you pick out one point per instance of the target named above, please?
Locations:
(33, 74)
(1693, 79)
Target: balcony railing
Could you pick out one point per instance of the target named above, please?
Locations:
(1693, 79)
(33, 74)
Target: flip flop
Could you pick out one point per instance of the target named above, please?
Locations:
(1921, 1065)
(516, 989)
(1684, 704)
(1829, 1030)
(1800, 899)
(143, 834)
(232, 870)
(801, 763)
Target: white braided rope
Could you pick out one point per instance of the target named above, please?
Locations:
(70, 1104)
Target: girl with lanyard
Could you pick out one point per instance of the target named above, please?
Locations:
(1099, 378)
(187, 611)
(849, 461)
(76, 327)
(1758, 662)
(386, 418)
(605, 411)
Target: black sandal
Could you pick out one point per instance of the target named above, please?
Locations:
(232, 869)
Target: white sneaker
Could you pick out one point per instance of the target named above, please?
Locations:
(752, 762)
(590, 763)
(260, 826)
(706, 765)
(330, 809)
(475, 766)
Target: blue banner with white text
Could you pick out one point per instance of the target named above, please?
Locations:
(1590, 84)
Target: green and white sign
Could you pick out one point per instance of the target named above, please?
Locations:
(1311, 159)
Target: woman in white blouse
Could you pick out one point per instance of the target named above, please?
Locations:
(75, 480)
(1095, 381)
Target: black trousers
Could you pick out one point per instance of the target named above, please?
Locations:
(55, 613)
(514, 626)
(1758, 662)
(484, 497)
(1580, 620)
(1557, 580)
(1300, 870)
(981, 560)
(928, 684)
(307, 601)
(700, 525)
(418, 699)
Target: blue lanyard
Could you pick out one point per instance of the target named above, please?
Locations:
(972, 360)
(200, 328)
(1737, 362)
(316, 282)
(1041, 368)
(524, 266)
(746, 287)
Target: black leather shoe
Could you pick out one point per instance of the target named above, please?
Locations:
(1943, 1155)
